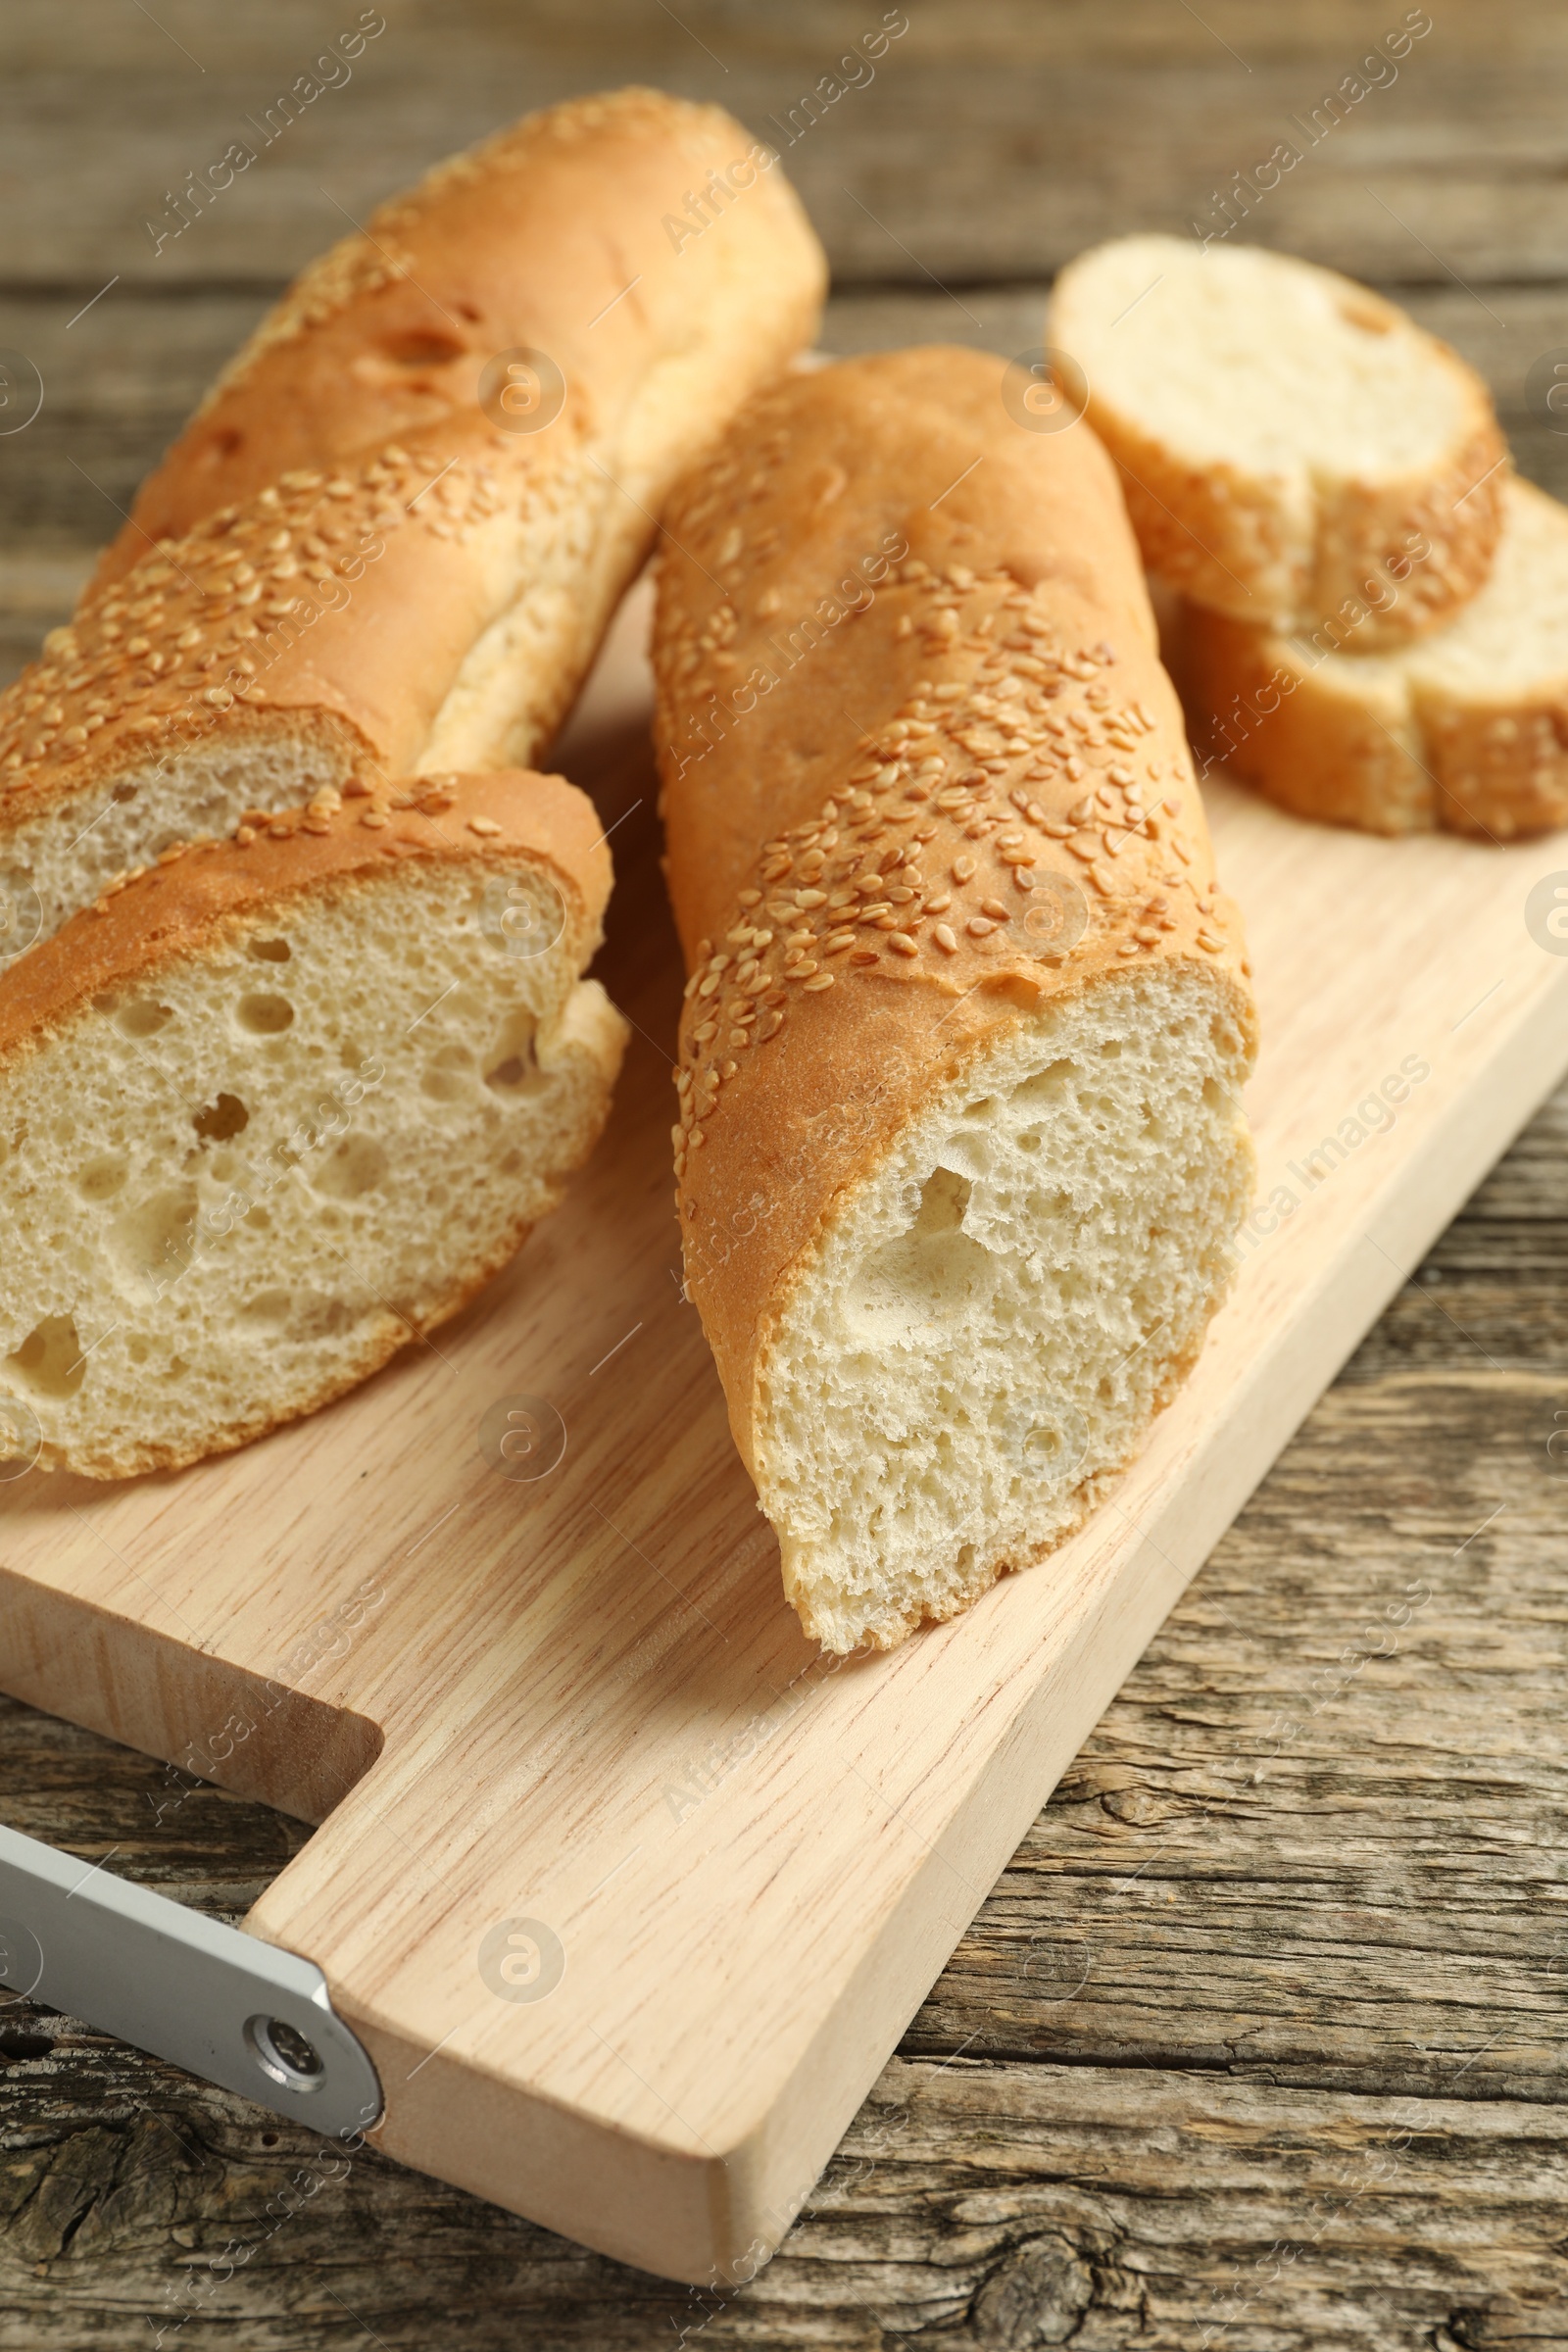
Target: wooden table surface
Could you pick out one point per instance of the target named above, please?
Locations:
(1260, 2040)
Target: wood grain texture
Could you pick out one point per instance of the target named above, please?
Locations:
(984, 142)
(583, 1701)
(1381, 1902)
(1094, 2160)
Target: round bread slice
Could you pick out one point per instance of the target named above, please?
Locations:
(279, 1106)
(1290, 445)
(1466, 730)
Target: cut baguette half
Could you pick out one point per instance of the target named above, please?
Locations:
(391, 541)
(1466, 730)
(1290, 444)
(281, 1105)
(961, 1150)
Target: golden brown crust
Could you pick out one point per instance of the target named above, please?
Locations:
(335, 606)
(1502, 766)
(1266, 707)
(520, 242)
(1384, 753)
(154, 917)
(984, 668)
(1400, 559)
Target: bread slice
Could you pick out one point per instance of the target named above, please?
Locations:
(961, 1150)
(1466, 730)
(359, 562)
(278, 1108)
(1293, 447)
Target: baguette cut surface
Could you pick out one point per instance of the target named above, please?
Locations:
(1293, 447)
(960, 1148)
(280, 1107)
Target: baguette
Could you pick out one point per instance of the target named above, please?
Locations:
(1293, 447)
(1466, 730)
(358, 572)
(280, 1105)
(961, 1150)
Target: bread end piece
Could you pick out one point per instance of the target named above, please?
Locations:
(280, 1106)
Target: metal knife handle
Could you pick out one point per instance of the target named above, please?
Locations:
(223, 2004)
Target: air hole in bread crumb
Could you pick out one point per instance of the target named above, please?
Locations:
(1045, 1085)
(50, 1361)
(263, 1015)
(300, 1316)
(354, 1165)
(269, 951)
(145, 1018)
(268, 1306)
(221, 1119)
(926, 1277)
(153, 1239)
(515, 1068)
(101, 1178)
(943, 1198)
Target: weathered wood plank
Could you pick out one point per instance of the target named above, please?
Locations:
(1286, 1856)
(994, 2204)
(982, 143)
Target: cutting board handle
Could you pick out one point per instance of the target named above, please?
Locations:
(244, 2014)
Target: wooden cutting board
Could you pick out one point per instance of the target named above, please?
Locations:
(628, 1892)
